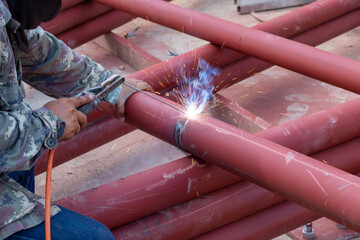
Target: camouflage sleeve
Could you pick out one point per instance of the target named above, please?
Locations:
(55, 69)
(23, 133)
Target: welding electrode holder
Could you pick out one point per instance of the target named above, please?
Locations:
(179, 128)
(87, 108)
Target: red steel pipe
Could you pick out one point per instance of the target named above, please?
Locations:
(264, 225)
(344, 23)
(162, 76)
(105, 131)
(247, 66)
(70, 3)
(211, 211)
(286, 216)
(135, 201)
(326, 189)
(298, 57)
(74, 16)
(94, 28)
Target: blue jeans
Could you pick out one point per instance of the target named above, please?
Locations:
(66, 225)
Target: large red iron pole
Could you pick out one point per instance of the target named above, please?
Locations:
(330, 191)
(131, 195)
(105, 131)
(247, 66)
(295, 56)
(321, 33)
(70, 3)
(94, 28)
(264, 225)
(190, 219)
(74, 16)
(162, 76)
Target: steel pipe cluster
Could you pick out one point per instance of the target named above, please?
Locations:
(279, 168)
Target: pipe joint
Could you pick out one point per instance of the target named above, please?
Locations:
(179, 128)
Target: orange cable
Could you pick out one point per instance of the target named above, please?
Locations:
(48, 194)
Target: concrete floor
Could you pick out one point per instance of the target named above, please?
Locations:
(276, 95)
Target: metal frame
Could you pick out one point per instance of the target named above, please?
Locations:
(331, 10)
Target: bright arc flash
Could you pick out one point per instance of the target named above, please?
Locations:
(196, 91)
(192, 111)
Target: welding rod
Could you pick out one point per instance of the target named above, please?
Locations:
(160, 100)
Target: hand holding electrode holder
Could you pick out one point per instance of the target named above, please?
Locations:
(100, 92)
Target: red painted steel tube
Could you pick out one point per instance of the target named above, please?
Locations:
(247, 66)
(332, 192)
(264, 225)
(70, 3)
(162, 76)
(211, 211)
(174, 189)
(74, 16)
(277, 50)
(189, 219)
(105, 131)
(288, 215)
(149, 191)
(94, 28)
(337, 26)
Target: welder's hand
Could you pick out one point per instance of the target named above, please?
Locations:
(65, 108)
(126, 93)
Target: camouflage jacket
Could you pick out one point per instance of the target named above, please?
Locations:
(55, 70)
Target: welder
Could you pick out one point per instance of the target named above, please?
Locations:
(31, 55)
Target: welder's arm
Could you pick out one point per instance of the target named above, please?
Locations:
(55, 69)
(23, 133)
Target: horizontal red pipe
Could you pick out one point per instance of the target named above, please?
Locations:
(170, 182)
(190, 219)
(286, 216)
(74, 16)
(248, 66)
(162, 76)
(149, 191)
(264, 225)
(250, 156)
(70, 3)
(280, 51)
(105, 131)
(94, 28)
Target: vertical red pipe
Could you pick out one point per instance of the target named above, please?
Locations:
(280, 51)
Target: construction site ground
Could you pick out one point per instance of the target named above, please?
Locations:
(276, 96)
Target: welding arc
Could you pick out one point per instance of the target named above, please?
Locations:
(158, 99)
